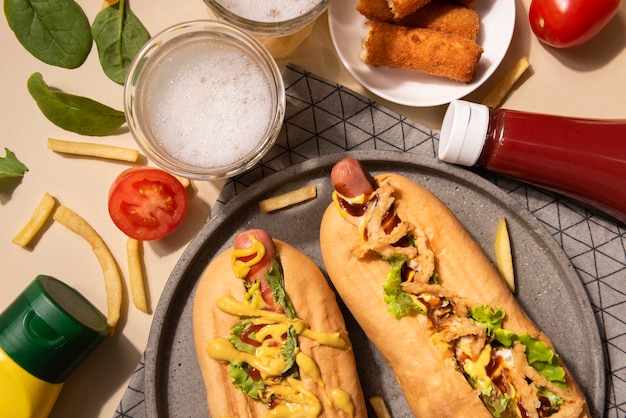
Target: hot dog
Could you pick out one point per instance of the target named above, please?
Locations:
(434, 305)
(269, 336)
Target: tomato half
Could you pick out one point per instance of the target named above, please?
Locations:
(147, 203)
(568, 23)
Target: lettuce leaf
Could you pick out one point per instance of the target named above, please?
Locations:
(276, 281)
(235, 337)
(288, 350)
(244, 381)
(555, 400)
(500, 407)
(240, 372)
(543, 359)
(539, 355)
(399, 303)
(488, 318)
(491, 320)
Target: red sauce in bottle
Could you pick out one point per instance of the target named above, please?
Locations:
(584, 159)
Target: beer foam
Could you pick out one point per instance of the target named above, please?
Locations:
(269, 10)
(208, 102)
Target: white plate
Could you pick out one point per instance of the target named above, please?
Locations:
(347, 29)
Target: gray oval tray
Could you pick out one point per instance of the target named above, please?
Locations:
(548, 286)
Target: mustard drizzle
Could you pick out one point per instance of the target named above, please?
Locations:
(294, 399)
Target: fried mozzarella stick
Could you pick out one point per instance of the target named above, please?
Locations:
(377, 10)
(422, 50)
(402, 8)
(443, 16)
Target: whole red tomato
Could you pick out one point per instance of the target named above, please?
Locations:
(567, 23)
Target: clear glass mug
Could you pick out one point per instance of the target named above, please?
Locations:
(281, 25)
(204, 100)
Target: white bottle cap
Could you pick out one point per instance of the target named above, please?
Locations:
(463, 132)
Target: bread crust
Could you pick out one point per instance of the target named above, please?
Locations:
(431, 382)
(314, 302)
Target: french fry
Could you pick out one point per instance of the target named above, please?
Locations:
(112, 277)
(504, 258)
(379, 407)
(135, 274)
(504, 85)
(290, 198)
(183, 180)
(37, 220)
(92, 149)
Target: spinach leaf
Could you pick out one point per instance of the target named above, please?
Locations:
(119, 35)
(56, 32)
(74, 113)
(10, 166)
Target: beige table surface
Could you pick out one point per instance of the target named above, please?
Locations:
(586, 81)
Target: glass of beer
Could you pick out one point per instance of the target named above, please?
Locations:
(204, 100)
(280, 24)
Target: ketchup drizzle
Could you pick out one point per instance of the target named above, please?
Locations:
(245, 335)
(354, 209)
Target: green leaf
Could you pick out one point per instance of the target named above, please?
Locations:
(499, 405)
(276, 282)
(543, 359)
(10, 166)
(244, 381)
(555, 400)
(56, 32)
(119, 36)
(488, 318)
(491, 320)
(399, 303)
(240, 372)
(505, 337)
(235, 337)
(539, 355)
(74, 113)
(289, 348)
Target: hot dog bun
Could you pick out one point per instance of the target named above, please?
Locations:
(314, 302)
(417, 351)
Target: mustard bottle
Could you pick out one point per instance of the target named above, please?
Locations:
(46, 332)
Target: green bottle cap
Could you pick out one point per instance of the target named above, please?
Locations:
(50, 328)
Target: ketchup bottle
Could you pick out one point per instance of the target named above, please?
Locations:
(584, 159)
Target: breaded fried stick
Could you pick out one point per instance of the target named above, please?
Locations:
(422, 50)
(388, 10)
(402, 8)
(441, 15)
(445, 17)
(377, 10)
